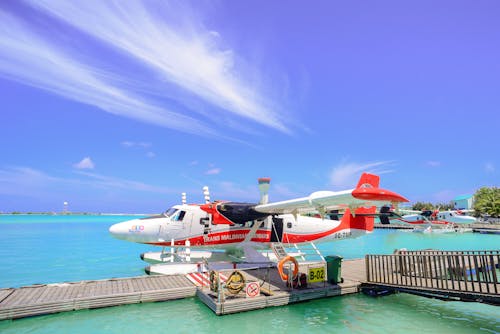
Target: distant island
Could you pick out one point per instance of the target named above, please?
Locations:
(75, 213)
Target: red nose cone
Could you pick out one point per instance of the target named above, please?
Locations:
(377, 194)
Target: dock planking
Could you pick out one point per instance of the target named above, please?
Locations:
(53, 298)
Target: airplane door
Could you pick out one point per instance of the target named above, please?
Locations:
(187, 222)
(277, 230)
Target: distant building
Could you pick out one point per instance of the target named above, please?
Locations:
(464, 202)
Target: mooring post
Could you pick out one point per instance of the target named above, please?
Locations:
(172, 250)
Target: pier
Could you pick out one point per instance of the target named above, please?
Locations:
(53, 298)
(476, 227)
(449, 275)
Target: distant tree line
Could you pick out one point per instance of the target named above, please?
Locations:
(419, 206)
(487, 202)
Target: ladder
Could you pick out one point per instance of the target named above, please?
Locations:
(308, 251)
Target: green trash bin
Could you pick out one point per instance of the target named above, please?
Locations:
(333, 266)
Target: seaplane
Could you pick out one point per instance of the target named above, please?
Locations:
(427, 221)
(243, 230)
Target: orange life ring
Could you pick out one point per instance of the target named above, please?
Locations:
(283, 275)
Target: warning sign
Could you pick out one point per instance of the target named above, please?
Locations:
(252, 289)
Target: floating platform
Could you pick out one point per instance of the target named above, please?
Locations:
(274, 291)
(53, 298)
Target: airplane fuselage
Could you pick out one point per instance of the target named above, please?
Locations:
(213, 229)
(442, 218)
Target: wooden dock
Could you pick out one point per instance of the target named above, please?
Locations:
(486, 228)
(468, 276)
(450, 275)
(53, 298)
(393, 226)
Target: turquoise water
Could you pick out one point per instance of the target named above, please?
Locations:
(47, 249)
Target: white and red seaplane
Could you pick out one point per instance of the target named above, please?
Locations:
(232, 226)
(430, 220)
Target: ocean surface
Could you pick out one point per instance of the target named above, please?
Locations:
(49, 249)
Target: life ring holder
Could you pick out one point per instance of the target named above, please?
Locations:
(283, 275)
(214, 281)
(235, 282)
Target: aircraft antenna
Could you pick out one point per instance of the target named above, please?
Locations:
(183, 198)
(264, 189)
(206, 193)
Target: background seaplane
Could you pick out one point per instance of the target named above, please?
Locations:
(428, 220)
(248, 226)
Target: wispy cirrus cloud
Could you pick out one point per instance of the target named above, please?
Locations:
(27, 57)
(129, 143)
(23, 176)
(433, 163)
(178, 68)
(21, 180)
(489, 167)
(114, 183)
(141, 145)
(346, 174)
(213, 171)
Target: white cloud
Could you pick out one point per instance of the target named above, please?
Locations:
(432, 163)
(128, 143)
(489, 167)
(30, 182)
(85, 163)
(151, 154)
(185, 63)
(346, 174)
(26, 179)
(213, 171)
(23, 177)
(110, 182)
(26, 57)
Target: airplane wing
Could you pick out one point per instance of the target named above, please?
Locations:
(408, 211)
(367, 193)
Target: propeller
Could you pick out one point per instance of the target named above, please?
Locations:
(387, 212)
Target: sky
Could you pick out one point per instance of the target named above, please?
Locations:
(120, 106)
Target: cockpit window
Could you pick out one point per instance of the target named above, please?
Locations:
(179, 216)
(170, 212)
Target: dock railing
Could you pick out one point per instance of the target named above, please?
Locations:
(475, 272)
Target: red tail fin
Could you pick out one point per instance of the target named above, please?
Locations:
(368, 179)
(359, 221)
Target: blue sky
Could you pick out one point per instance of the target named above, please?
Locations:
(119, 106)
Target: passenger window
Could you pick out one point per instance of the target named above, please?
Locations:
(289, 225)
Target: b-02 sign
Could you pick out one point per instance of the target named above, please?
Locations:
(316, 275)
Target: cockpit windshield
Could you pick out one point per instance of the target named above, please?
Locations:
(170, 212)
